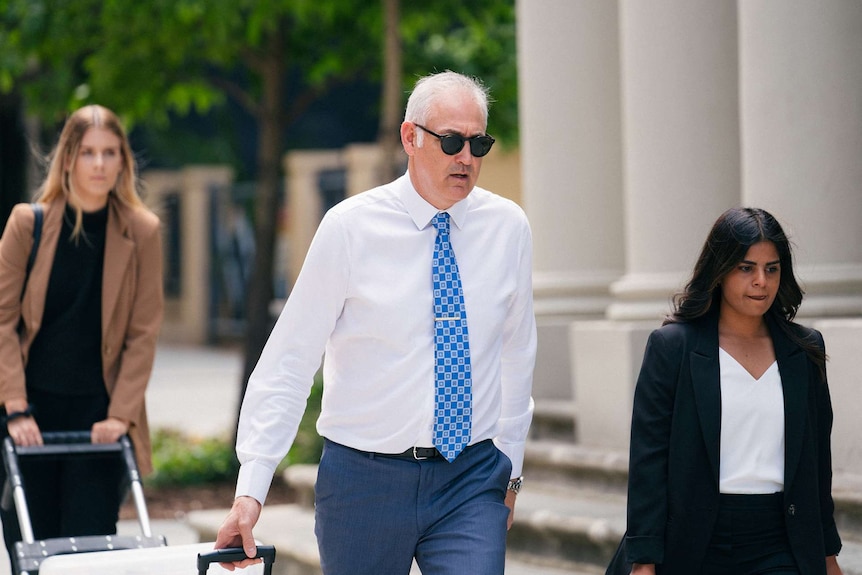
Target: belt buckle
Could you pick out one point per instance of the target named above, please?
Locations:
(417, 457)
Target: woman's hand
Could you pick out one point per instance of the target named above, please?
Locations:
(832, 567)
(643, 569)
(24, 431)
(108, 430)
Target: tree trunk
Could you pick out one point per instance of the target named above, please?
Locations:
(267, 207)
(388, 137)
(13, 159)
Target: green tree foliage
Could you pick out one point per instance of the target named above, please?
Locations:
(150, 59)
(475, 38)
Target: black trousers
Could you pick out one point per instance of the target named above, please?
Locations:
(750, 538)
(67, 497)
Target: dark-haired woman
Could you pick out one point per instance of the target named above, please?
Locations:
(77, 348)
(730, 462)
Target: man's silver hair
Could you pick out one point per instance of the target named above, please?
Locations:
(429, 88)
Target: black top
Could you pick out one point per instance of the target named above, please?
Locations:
(65, 357)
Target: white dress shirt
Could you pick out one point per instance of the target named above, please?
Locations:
(363, 301)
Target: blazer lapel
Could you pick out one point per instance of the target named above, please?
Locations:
(707, 389)
(793, 367)
(119, 248)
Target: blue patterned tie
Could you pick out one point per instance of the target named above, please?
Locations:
(453, 395)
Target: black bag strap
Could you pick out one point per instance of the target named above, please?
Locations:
(37, 237)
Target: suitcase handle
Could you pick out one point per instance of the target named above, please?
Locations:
(230, 554)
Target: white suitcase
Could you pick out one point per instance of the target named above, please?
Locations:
(107, 554)
(177, 560)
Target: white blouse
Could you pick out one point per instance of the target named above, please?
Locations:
(752, 429)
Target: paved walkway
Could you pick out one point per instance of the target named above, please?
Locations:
(195, 389)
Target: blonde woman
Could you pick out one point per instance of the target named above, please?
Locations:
(77, 347)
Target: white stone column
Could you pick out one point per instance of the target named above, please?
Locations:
(844, 346)
(568, 59)
(681, 161)
(680, 118)
(801, 107)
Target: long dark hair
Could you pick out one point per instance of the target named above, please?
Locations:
(732, 234)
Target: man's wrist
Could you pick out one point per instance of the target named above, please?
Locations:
(515, 484)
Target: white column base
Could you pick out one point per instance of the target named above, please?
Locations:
(844, 347)
(606, 359)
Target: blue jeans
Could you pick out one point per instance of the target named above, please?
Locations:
(374, 514)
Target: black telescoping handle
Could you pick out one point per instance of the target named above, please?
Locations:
(230, 554)
(69, 443)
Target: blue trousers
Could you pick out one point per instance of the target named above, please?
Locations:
(375, 514)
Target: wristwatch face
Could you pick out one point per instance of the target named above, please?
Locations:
(515, 484)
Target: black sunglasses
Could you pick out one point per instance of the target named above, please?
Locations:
(451, 144)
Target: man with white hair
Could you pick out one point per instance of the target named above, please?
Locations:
(418, 294)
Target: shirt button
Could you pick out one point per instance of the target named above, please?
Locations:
(791, 510)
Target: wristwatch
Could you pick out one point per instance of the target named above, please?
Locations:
(515, 484)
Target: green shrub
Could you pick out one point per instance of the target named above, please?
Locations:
(179, 459)
(308, 445)
(182, 460)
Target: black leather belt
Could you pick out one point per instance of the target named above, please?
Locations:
(417, 453)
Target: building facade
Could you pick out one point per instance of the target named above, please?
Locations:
(641, 122)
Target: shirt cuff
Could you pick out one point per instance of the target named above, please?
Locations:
(515, 453)
(254, 481)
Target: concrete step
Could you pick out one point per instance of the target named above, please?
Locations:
(553, 524)
(553, 420)
(572, 509)
(574, 526)
(554, 533)
(291, 529)
(847, 493)
(564, 464)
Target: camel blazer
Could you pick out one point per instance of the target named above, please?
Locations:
(132, 306)
(673, 494)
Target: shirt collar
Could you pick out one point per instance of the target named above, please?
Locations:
(421, 212)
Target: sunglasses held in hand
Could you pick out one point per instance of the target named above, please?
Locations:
(451, 144)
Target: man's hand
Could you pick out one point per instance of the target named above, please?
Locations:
(510, 503)
(235, 531)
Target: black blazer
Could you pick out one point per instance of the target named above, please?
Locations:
(673, 494)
